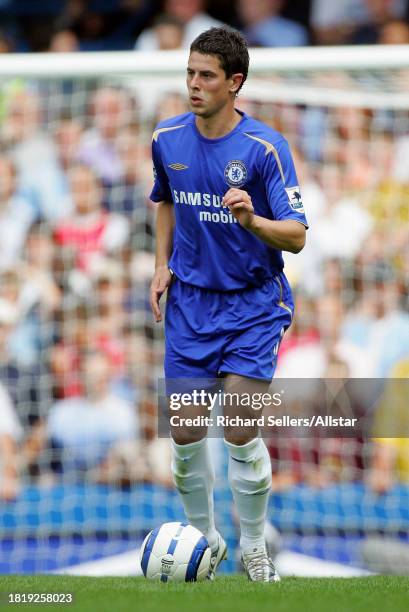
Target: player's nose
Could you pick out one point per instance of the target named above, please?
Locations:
(194, 82)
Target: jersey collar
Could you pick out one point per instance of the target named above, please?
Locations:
(222, 138)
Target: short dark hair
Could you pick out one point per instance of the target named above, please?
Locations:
(229, 46)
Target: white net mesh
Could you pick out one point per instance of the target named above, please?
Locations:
(83, 473)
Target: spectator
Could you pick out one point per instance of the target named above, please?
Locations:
(89, 231)
(143, 366)
(375, 333)
(305, 271)
(98, 324)
(68, 134)
(16, 214)
(168, 32)
(400, 170)
(10, 287)
(25, 390)
(6, 44)
(390, 455)
(87, 427)
(170, 103)
(380, 12)
(394, 33)
(345, 223)
(146, 459)
(389, 464)
(128, 196)
(264, 27)
(33, 154)
(28, 384)
(190, 13)
(39, 297)
(75, 333)
(10, 433)
(88, 23)
(334, 22)
(389, 191)
(301, 350)
(110, 293)
(64, 41)
(11, 297)
(105, 25)
(112, 110)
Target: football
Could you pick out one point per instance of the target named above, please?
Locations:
(175, 551)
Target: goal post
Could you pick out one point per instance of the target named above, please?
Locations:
(262, 60)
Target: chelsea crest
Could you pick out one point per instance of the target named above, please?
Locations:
(235, 173)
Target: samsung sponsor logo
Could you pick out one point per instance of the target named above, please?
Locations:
(197, 199)
(217, 217)
(205, 199)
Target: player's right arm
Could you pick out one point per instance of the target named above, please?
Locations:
(165, 222)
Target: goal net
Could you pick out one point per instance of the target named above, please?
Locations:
(84, 475)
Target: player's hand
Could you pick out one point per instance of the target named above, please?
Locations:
(160, 282)
(239, 203)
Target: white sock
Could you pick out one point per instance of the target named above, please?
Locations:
(193, 475)
(250, 482)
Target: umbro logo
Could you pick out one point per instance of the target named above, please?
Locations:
(178, 166)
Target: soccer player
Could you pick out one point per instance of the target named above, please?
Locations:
(228, 204)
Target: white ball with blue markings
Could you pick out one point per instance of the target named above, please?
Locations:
(175, 552)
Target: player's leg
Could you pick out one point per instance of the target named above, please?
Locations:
(249, 363)
(189, 355)
(193, 473)
(249, 464)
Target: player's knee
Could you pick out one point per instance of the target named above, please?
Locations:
(185, 436)
(239, 435)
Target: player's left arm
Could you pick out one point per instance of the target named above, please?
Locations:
(285, 235)
(286, 231)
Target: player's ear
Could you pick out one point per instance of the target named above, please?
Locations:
(236, 81)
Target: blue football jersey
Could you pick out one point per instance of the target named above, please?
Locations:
(210, 248)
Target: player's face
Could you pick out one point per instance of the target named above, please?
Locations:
(209, 89)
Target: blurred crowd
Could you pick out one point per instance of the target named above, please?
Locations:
(96, 25)
(80, 356)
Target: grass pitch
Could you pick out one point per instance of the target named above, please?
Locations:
(233, 593)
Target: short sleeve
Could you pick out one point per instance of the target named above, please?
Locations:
(160, 190)
(281, 184)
